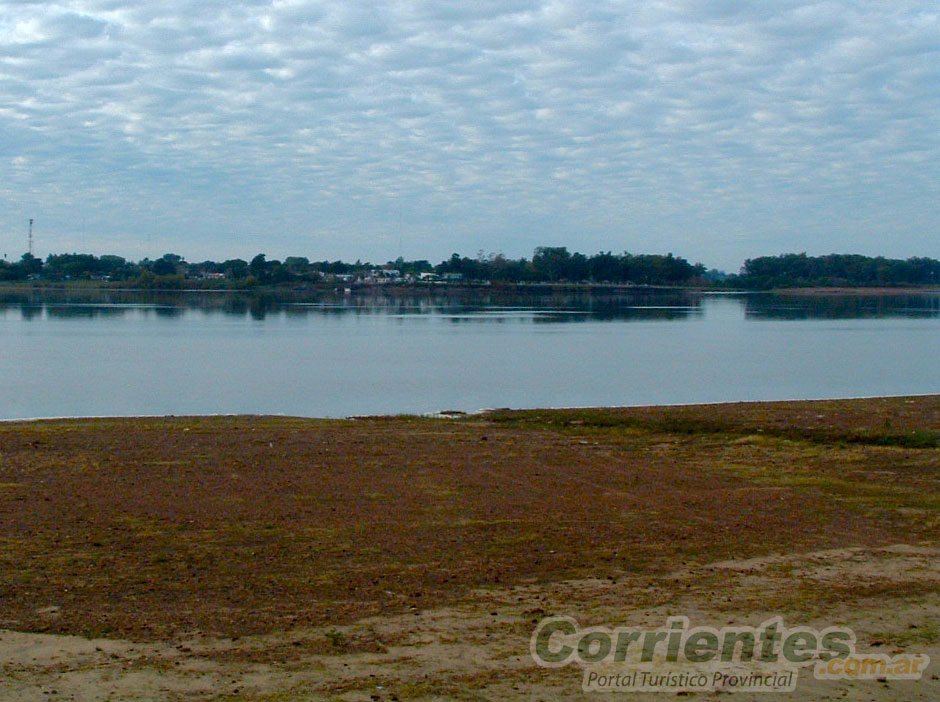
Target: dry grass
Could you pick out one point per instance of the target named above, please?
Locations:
(148, 528)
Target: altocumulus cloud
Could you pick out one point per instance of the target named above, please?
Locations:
(713, 128)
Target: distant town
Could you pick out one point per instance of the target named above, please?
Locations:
(548, 265)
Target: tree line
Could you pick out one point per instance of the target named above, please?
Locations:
(547, 265)
(835, 270)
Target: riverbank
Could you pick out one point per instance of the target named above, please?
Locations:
(440, 288)
(408, 558)
(918, 290)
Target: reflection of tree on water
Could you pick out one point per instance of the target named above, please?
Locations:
(456, 306)
(79, 311)
(28, 311)
(795, 307)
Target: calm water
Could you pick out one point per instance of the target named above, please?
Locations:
(111, 353)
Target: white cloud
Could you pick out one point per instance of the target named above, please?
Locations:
(712, 128)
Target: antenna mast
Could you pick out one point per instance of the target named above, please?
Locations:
(31, 236)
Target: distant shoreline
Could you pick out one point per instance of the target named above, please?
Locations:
(919, 290)
(868, 402)
(591, 288)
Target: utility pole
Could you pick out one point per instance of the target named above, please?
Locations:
(30, 237)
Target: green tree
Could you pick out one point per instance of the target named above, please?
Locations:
(258, 266)
(550, 262)
(31, 264)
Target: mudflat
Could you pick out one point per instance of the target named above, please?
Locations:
(404, 558)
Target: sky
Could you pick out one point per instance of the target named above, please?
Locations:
(718, 130)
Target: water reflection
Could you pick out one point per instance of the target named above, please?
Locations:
(458, 307)
(104, 352)
(853, 306)
(461, 306)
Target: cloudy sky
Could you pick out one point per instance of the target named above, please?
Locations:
(716, 129)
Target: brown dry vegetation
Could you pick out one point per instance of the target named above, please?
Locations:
(151, 528)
